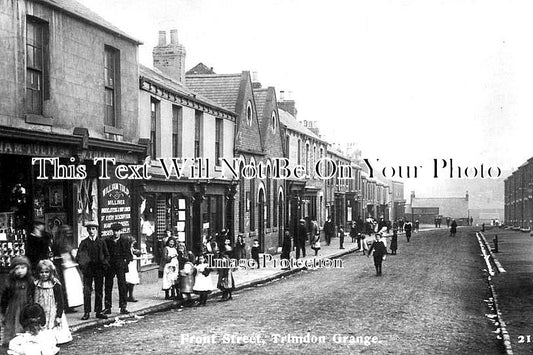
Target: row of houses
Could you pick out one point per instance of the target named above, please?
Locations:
(211, 144)
(518, 197)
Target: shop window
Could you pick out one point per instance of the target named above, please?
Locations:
(252, 205)
(242, 203)
(36, 65)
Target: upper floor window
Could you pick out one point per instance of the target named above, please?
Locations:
(249, 113)
(111, 84)
(198, 117)
(218, 141)
(36, 58)
(176, 130)
(154, 114)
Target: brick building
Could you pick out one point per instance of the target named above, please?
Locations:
(271, 131)
(425, 209)
(254, 200)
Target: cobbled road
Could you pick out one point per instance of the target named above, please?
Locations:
(430, 300)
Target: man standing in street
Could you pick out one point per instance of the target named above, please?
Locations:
(93, 259)
(329, 230)
(38, 245)
(119, 248)
(301, 237)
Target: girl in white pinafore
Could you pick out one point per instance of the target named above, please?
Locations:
(202, 283)
(170, 272)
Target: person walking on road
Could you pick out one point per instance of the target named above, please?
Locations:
(448, 222)
(301, 237)
(408, 227)
(286, 248)
(380, 252)
(341, 237)
(453, 228)
(394, 242)
(329, 230)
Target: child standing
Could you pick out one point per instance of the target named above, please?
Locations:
(202, 282)
(18, 292)
(49, 293)
(187, 281)
(255, 252)
(170, 273)
(226, 283)
(240, 248)
(132, 276)
(35, 339)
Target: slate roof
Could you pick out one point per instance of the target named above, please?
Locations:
(290, 122)
(179, 88)
(221, 88)
(200, 68)
(79, 11)
(260, 96)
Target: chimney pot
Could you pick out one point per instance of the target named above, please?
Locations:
(162, 38)
(174, 36)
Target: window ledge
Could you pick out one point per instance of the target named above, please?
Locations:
(113, 130)
(38, 119)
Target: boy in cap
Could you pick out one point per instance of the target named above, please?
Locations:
(93, 258)
(119, 248)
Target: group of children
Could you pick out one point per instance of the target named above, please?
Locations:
(184, 275)
(32, 310)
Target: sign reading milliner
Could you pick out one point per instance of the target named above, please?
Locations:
(115, 204)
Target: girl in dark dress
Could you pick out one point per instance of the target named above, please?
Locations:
(18, 293)
(379, 253)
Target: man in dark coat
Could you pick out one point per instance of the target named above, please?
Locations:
(453, 228)
(119, 248)
(408, 227)
(301, 237)
(93, 258)
(38, 245)
(286, 248)
(329, 230)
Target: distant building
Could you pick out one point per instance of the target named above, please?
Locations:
(425, 209)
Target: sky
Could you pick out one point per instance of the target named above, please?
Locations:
(407, 81)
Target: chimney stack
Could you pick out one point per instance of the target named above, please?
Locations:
(174, 36)
(255, 80)
(162, 38)
(170, 58)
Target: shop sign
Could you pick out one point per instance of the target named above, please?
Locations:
(34, 149)
(123, 158)
(115, 205)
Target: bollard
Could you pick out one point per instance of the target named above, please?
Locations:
(495, 241)
(483, 227)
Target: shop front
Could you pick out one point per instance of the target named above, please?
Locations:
(39, 182)
(191, 210)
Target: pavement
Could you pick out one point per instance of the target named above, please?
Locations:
(514, 286)
(151, 298)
